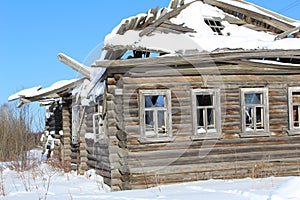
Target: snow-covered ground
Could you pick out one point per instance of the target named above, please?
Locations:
(45, 182)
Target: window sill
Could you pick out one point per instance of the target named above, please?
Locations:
(207, 136)
(257, 134)
(149, 140)
(293, 132)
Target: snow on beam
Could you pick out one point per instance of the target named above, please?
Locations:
(255, 12)
(286, 33)
(82, 69)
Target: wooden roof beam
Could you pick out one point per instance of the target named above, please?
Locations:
(82, 69)
(279, 22)
(148, 30)
(197, 58)
(286, 33)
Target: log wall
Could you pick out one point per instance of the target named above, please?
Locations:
(135, 164)
(97, 149)
(67, 129)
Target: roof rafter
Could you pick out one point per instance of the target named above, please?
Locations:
(268, 21)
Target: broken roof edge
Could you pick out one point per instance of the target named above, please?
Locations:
(261, 10)
(138, 38)
(203, 57)
(41, 94)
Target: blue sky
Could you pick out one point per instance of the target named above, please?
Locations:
(33, 32)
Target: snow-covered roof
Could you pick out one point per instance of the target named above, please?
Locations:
(38, 93)
(241, 25)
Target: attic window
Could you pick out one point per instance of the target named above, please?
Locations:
(215, 25)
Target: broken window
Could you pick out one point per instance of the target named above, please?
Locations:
(254, 110)
(215, 25)
(155, 113)
(206, 111)
(294, 109)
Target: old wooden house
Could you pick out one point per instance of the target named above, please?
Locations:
(201, 89)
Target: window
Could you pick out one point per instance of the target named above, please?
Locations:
(76, 115)
(155, 113)
(215, 25)
(254, 104)
(206, 112)
(294, 110)
(98, 122)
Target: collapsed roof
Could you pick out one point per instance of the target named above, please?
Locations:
(204, 26)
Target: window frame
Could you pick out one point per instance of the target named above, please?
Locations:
(264, 105)
(98, 123)
(215, 23)
(76, 120)
(208, 134)
(142, 109)
(292, 130)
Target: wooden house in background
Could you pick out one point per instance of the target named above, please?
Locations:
(200, 90)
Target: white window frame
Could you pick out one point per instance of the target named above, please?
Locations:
(265, 105)
(98, 124)
(292, 129)
(76, 118)
(155, 92)
(206, 133)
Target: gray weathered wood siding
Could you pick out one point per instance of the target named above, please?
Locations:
(139, 165)
(98, 154)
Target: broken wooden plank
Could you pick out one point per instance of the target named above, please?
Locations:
(286, 33)
(82, 69)
(151, 17)
(163, 18)
(179, 28)
(174, 4)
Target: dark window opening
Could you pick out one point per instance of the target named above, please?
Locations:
(205, 113)
(215, 25)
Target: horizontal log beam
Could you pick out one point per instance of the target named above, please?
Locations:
(194, 59)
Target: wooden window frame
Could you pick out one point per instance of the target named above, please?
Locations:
(98, 124)
(264, 105)
(292, 129)
(157, 138)
(213, 133)
(215, 24)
